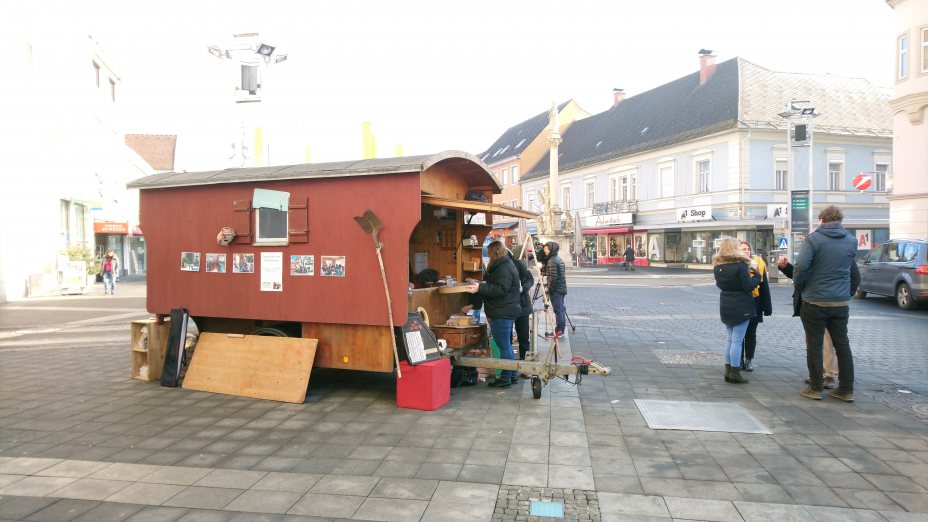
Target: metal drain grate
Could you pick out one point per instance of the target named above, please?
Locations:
(699, 416)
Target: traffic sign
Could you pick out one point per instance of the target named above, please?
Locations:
(862, 181)
(783, 244)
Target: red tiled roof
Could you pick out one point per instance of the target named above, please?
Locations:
(156, 149)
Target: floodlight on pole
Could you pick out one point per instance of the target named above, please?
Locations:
(265, 49)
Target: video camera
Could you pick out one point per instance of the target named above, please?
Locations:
(540, 255)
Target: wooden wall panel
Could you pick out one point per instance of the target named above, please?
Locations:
(353, 347)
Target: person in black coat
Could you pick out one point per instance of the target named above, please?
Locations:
(556, 272)
(629, 258)
(763, 307)
(736, 280)
(500, 292)
(525, 300)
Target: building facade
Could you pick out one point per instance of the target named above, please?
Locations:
(908, 201)
(673, 170)
(67, 163)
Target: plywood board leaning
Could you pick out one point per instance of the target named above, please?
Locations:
(275, 368)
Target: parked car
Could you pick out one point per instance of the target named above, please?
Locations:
(898, 268)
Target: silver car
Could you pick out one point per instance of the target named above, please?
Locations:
(897, 268)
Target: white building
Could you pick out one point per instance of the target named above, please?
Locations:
(672, 170)
(66, 163)
(908, 203)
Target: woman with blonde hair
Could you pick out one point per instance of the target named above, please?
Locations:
(737, 279)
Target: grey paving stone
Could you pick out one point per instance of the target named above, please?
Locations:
(35, 486)
(204, 498)
(832, 514)
(26, 465)
(525, 474)
(893, 483)
(765, 512)
(65, 509)
(411, 489)
(279, 481)
(123, 471)
(482, 474)
(628, 484)
(663, 486)
(326, 505)
(902, 516)
(345, 485)
(397, 469)
(764, 493)
(109, 511)
(917, 502)
(390, 509)
(570, 477)
(271, 463)
(438, 471)
(91, 489)
(707, 489)
(18, 508)
(641, 505)
(230, 478)
(184, 476)
(701, 509)
(265, 501)
(206, 515)
(146, 493)
(534, 454)
(6, 480)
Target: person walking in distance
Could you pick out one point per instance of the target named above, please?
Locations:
(737, 279)
(109, 267)
(629, 258)
(762, 307)
(830, 362)
(500, 293)
(557, 286)
(822, 276)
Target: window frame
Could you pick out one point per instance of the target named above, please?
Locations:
(703, 177)
(589, 195)
(903, 46)
(835, 179)
(879, 176)
(668, 190)
(565, 196)
(504, 176)
(515, 174)
(780, 177)
(272, 241)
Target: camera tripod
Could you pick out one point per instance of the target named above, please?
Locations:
(540, 292)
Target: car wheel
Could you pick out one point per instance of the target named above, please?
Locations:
(904, 297)
(860, 294)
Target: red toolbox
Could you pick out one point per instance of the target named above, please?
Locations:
(425, 386)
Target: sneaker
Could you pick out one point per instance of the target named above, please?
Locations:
(809, 393)
(829, 383)
(500, 383)
(843, 395)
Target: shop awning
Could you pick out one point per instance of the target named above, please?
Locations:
(478, 206)
(509, 225)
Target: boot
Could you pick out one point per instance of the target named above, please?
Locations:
(727, 373)
(735, 376)
(748, 367)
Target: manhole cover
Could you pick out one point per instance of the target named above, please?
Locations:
(921, 409)
(699, 416)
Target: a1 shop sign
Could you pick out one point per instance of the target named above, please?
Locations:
(694, 214)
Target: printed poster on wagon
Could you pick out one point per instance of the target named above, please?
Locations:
(272, 271)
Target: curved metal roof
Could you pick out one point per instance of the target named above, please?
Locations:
(469, 165)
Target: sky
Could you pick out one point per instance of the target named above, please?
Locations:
(433, 75)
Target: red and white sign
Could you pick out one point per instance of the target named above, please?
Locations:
(110, 227)
(864, 240)
(862, 181)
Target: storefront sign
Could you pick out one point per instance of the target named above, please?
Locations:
(694, 214)
(778, 211)
(800, 211)
(110, 227)
(864, 240)
(622, 218)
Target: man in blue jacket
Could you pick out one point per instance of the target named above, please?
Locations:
(822, 278)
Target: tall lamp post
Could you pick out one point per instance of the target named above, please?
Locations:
(803, 110)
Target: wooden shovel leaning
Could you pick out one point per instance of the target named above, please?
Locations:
(371, 224)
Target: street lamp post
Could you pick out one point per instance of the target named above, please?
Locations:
(796, 108)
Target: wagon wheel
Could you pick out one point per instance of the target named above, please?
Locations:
(270, 332)
(536, 386)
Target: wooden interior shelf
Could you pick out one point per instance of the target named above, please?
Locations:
(149, 342)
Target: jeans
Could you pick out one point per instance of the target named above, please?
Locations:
(816, 320)
(733, 344)
(560, 312)
(109, 283)
(502, 332)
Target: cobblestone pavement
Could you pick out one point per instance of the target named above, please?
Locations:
(79, 440)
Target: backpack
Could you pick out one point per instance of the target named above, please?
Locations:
(108, 265)
(463, 376)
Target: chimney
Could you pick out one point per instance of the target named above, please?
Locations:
(617, 96)
(706, 65)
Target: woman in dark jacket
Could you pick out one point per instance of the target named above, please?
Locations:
(762, 306)
(736, 280)
(500, 293)
(525, 301)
